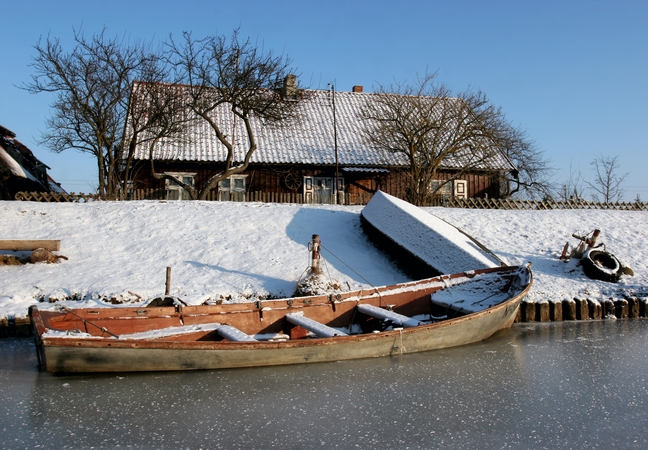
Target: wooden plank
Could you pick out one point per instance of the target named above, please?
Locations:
(30, 244)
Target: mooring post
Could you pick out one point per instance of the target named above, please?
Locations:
(167, 290)
(591, 241)
(314, 248)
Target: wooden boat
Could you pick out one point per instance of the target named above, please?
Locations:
(424, 244)
(433, 313)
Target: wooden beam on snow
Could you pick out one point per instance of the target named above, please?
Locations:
(30, 244)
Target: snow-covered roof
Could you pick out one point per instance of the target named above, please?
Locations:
(311, 140)
(21, 162)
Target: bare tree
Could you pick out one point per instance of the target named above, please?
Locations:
(607, 184)
(532, 175)
(91, 86)
(572, 188)
(156, 111)
(235, 76)
(431, 128)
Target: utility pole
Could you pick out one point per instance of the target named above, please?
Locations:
(335, 180)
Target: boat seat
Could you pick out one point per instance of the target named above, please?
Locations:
(319, 329)
(384, 314)
(234, 334)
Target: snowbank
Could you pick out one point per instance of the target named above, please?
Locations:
(243, 251)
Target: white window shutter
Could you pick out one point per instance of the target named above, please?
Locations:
(308, 189)
(461, 188)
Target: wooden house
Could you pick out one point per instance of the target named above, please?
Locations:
(301, 161)
(20, 170)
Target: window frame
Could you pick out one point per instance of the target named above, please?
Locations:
(226, 193)
(172, 186)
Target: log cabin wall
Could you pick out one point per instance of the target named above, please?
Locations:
(274, 179)
(479, 184)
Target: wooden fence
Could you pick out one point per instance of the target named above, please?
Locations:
(53, 197)
(151, 194)
(269, 197)
(485, 203)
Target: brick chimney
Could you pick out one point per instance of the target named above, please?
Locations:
(289, 91)
(357, 89)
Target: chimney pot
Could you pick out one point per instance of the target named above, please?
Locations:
(357, 88)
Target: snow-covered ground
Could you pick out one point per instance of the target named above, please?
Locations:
(243, 251)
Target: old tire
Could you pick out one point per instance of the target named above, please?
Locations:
(601, 265)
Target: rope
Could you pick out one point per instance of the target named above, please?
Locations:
(85, 321)
(327, 271)
(351, 268)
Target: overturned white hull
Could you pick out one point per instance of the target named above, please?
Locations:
(431, 240)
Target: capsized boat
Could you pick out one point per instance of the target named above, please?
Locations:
(422, 315)
(420, 240)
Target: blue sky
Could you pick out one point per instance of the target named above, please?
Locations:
(574, 74)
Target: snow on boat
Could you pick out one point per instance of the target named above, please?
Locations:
(426, 240)
(428, 314)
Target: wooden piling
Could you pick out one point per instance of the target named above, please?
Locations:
(543, 312)
(569, 309)
(621, 308)
(22, 326)
(12, 326)
(595, 309)
(528, 311)
(608, 307)
(582, 309)
(167, 289)
(314, 248)
(556, 310)
(633, 307)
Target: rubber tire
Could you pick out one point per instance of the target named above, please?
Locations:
(600, 265)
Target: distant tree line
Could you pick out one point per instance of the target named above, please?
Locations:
(606, 185)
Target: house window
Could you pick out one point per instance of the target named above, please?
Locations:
(447, 189)
(321, 190)
(232, 188)
(173, 190)
(441, 188)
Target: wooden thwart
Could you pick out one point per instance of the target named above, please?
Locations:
(395, 318)
(313, 326)
(30, 244)
(234, 334)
